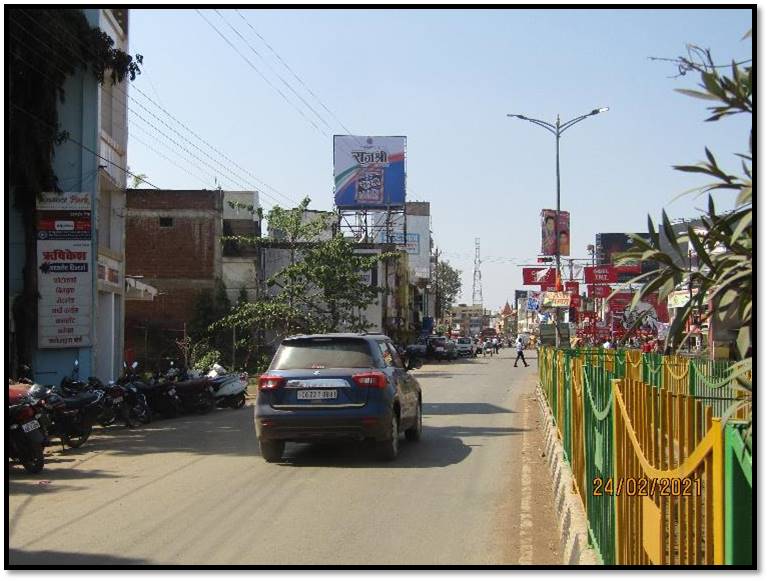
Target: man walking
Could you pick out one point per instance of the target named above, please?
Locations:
(496, 345)
(520, 351)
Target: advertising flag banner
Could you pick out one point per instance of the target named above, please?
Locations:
(598, 291)
(369, 172)
(556, 299)
(553, 234)
(572, 287)
(65, 270)
(533, 301)
(604, 274)
(535, 275)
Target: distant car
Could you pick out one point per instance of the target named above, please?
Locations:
(466, 347)
(438, 347)
(337, 386)
(418, 349)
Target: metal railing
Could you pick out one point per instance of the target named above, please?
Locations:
(627, 418)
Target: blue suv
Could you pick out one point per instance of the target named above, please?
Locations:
(337, 386)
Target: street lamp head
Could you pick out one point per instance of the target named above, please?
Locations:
(515, 115)
(599, 110)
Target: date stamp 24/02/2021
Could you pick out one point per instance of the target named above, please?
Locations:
(646, 486)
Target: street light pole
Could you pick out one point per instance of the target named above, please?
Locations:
(557, 130)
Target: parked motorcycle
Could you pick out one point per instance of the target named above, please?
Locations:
(137, 408)
(229, 389)
(67, 415)
(26, 437)
(196, 394)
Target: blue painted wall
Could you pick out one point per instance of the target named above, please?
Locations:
(77, 170)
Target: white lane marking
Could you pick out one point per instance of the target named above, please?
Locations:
(526, 519)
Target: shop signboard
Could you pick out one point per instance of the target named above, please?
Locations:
(598, 291)
(603, 274)
(64, 270)
(369, 172)
(572, 287)
(556, 299)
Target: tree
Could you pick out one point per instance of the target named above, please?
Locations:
(724, 247)
(45, 47)
(330, 286)
(447, 283)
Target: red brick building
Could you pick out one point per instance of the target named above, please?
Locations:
(173, 241)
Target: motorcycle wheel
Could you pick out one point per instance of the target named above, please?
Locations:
(79, 440)
(35, 463)
(206, 404)
(239, 402)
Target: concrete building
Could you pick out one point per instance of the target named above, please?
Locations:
(174, 244)
(94, 115)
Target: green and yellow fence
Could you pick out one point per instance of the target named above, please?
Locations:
(659, 458)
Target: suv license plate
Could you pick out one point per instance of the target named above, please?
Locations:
(29, 426)
(317, 394)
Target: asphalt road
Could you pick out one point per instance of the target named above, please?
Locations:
(194, 490)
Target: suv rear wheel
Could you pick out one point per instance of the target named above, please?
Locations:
(388, 449)
(413, 434)
(272, 450)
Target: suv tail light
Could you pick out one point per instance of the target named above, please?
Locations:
(370, 379)
(269, 382)
(25, 413)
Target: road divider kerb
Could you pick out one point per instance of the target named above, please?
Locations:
(572, 520)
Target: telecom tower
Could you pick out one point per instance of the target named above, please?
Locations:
(477, 278)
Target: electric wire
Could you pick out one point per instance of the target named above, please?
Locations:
(120, 89)
(262, 75)
(258, 54)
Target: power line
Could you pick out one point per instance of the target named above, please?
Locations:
(258, 54)
(250, 64)
(127, 96)
(298, 78)
(85, 147)
(234, 181)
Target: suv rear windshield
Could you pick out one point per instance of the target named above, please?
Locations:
(465, 341)
(321, 353)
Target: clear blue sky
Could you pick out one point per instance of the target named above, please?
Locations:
(446, 79)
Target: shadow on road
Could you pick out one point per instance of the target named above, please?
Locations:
(450, 409)
(439, 447)
(32, 559)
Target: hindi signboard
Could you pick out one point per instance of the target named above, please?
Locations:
(65, 270)
(369, 172)
(556, 299)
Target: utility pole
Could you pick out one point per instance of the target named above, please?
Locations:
(477, 277)
(557, 130)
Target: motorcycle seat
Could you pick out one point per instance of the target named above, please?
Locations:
(81, 400)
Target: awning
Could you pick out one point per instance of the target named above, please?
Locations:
(135, 290)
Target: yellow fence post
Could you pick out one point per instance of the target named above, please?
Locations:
(717, 491)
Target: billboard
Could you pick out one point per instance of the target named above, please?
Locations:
(415, 243)
(598, 291)
(552, 236)
(368, 172)
(64, 270)
(612, 246)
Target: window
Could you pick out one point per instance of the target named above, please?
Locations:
(386, 354)
(166, 222)
(396, 356)
(323, 353)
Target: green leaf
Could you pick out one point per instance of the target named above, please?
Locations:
(697, 94)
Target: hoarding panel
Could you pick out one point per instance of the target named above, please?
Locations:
(369, 172)
(600, 274)
(551, 236)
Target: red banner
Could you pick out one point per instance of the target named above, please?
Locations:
(600, 274)
(533, 275)
(548, 288)
(575, 301)
(600, 291)
(572, 287)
